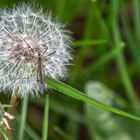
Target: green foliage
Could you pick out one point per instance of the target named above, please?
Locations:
(105, 49)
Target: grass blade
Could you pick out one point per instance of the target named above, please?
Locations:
(104, 59)
(64, 135)
(46, 118)
(71, 92)
(122, 67)
(29, 130)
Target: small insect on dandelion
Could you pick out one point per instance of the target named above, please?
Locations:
(32, 45)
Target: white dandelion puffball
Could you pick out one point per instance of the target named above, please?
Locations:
(31, 46)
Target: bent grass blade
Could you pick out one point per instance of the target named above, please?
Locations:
(76, 94)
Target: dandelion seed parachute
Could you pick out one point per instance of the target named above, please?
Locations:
(24, 35)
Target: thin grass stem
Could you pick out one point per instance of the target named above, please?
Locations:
(23, 118)
(45, 120)
(120, 57)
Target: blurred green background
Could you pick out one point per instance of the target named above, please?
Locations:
(106, 66)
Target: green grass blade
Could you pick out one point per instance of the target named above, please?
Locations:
(59, 109)
(46, 119)
(104, 59)
(23, 118)
(71, 92)
(82, 43)
(29, 130)
(32, 133)
(122, 66)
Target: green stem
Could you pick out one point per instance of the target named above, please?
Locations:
(136, 5)
(23, 118)
(87, 35)
(46, 118)
(120, 58)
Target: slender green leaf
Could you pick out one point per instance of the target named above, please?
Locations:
(29, 130)
(23, 118)
(31, 133)
(63, 134)
(74, 93)
(104, 59)
(46, 119)
(121, 62)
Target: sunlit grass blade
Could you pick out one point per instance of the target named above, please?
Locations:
(71, 92)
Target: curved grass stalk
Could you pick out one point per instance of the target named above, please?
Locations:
(76, 94)
(120, 57)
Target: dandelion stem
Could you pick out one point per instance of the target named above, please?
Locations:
(23, 118)
(46, 118)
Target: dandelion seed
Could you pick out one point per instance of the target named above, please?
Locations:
(32, 45)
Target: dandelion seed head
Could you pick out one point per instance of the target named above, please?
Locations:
(27, 35)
